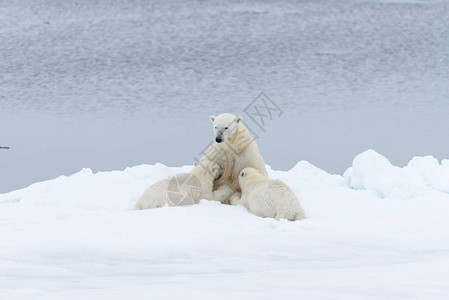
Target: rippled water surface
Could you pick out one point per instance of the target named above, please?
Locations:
(111, 84)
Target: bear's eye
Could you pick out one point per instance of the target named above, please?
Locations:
(226, 127)
(213, 169)
(243, 174)
(215, 127)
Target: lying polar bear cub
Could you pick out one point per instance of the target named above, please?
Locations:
(265, 197)
(186, 189)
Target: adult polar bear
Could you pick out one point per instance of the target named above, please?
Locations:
(234, 149)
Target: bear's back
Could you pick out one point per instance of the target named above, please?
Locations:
(275, 199)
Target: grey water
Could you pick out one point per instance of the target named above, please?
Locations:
(109, 84)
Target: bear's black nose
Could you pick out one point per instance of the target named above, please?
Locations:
(218, 139)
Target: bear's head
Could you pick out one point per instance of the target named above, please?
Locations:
(210, 167)
(225, 126)
(248, 174)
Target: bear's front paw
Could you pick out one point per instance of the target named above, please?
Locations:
(222, 193)
(235, 198)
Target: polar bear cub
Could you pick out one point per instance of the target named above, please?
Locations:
(185, 189)
(265, 197)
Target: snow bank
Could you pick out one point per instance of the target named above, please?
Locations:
(377, 232)
(371, 171)
(88, 191)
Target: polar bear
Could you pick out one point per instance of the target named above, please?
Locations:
(234, 149)
(185, 189)
(265, 197)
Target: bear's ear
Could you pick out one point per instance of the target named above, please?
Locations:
(195, 164)
(212, 118)
(239, 119)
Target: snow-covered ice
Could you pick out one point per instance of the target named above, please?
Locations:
(374, 172)
(377, 232)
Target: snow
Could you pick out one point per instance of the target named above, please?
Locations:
(377, 232)
(371, 171)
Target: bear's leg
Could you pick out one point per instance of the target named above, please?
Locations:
(235, 199)
(299, 214)
(222, 193)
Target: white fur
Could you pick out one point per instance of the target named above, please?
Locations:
(237, 150)
(205, 171)
(265, 197)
